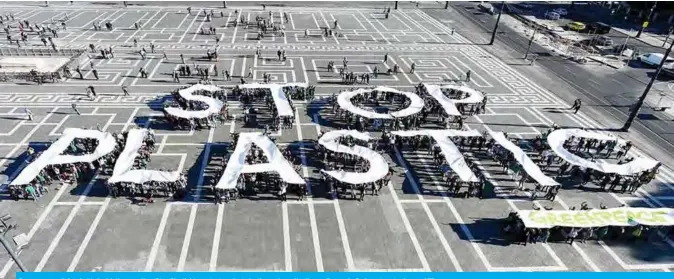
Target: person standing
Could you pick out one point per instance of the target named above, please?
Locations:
(92, 90)
(182, 58)
(29, 114)
(468, 76)
(74, 106)
(125, 90)
(385, 57)
(576, 106)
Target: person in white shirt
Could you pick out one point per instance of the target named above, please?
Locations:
(28, 113)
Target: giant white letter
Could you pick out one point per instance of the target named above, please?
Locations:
(452, 154)
(447, 104)
(214, 105)
(416, 105)
(556, 141)
(529, 166)
(123, 172)
(237, 162)
(280, 100)
(51, 156)
(378, 166)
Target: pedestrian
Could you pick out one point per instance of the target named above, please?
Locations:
(29, 114)
(468, 76)
(227, 75)
(452, 31)
(135, 43)
(412, 67)
(143, 73)
(385, 57)
(125, 90)
(92, 90)
(95, 72)
(250, 72)
(152, 47)
(74, 106)
(182, 58)
(576, 106)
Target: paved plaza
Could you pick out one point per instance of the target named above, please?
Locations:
(409, 226)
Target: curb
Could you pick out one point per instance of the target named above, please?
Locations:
(638, 39)
(601, 61)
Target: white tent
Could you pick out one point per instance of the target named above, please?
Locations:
(452, 154)
(556, 141)
(474, 97)
(51, 156)
(214, 105)
(237, 162)
(280, 99)
(122, 171)
(529, 166)
(378, 166)
(344, 100)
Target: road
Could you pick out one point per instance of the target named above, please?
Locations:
(609, 92)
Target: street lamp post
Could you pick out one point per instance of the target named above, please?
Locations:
(531, 40)
(396, 7)
(224, 4)
(493, 33)
(650, 14)
(640, 101)
(4, 228)
(446, 5)
(669, 33)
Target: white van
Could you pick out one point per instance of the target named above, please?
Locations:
(654, 59)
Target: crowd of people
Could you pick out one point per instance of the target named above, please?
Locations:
(514, 231)
(191, 105)
(145, 192)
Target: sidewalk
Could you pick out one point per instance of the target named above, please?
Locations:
(646, 38)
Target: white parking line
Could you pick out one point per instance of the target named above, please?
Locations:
(216, 238)
(157, 239)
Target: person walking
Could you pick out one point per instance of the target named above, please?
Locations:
(164, 54)
(125, 90)
(95, 72)
(576, 106)
(385, 57)
(412, 67)
(29, 114)
(468, 76)
(74, 106)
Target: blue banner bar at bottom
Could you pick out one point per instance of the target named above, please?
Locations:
(340, 275)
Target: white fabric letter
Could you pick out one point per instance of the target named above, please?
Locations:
(237, 162)
(452, 154)
(123, 172)
(556, 141)
(51, 156)
(214, 105)
(447, 104)
(378, 166)
(529, 166)
(416, 105)
(280, 100)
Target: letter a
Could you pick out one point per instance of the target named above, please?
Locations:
(237, 162)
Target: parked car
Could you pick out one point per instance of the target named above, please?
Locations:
(598, 28)
(486, 7)
(654, 59)
(552, 16)
(576, 26)
(561, 11)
